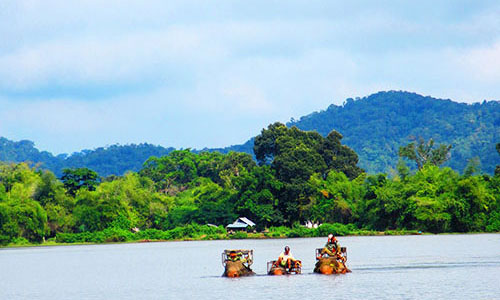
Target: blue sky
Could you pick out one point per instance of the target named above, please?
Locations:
(79, 75)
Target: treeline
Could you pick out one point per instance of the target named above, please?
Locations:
(300, 176)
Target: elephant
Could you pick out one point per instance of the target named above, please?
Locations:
(275, 269)
(236, 269)
(330, 265)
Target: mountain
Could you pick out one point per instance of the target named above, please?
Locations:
(246, 147)
(374, 126)
(112, 160)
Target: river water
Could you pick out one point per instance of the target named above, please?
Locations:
(383, 267)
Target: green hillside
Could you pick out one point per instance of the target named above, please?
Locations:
(376, 126)
(112, 160)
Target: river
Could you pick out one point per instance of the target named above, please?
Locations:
(383, 267)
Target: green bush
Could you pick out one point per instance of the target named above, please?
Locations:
(239, 235)
(150, 234)
(83, 237)
(20, 241)
(4, 239)
(121, 222)
(65, 237)
(337, 229)
(301, 231)
(280, 231)
(114, 235)
(494, 222)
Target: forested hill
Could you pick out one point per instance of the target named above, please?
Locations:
(376, 126)
(111, 160)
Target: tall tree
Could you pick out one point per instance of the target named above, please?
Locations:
(76, 179)
(296, 155)
(423, 152)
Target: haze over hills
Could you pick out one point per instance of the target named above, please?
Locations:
(374, 126)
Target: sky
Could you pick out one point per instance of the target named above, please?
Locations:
(192, 74)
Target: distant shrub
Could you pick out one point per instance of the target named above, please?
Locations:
(239, 235)
(95, 237)
(4, 239)
(20, 241)
(115, 235)
(494, 222)
(301, 231)
(280, 231)
(121, 222)
(337, 229)
(150, 234)
(118, 234)
(276, 234)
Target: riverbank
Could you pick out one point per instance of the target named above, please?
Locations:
(195, 232)
(239, 235)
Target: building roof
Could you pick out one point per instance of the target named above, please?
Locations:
(237, 226)
(247, 221)
(241, 222)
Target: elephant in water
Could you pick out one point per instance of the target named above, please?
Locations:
(330, 265)
(237, 262)
(237, 269)
(274, 269)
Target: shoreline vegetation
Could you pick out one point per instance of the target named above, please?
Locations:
(296, 177)
(195, 232)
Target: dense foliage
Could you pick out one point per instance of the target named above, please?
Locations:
(301, 176)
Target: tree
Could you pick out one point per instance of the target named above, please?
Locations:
(497, 169)
(474, 203)
(76, 179)
(50, 189)
(295, 155)
(254, 197)
(423, 152)
(22, 218)
(473, 166)
(50, 193)
(430, 193)
(335, 197)
(177, 169)
(402, 169)
(339, 157)
(265, 147)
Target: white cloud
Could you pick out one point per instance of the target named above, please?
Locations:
(483, 63)
(196, 74)
(248, 98)
(90, 61)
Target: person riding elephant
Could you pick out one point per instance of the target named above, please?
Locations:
(236, 264)
(236, 256)
(330, 259)
(332, 248)
(286, 259)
